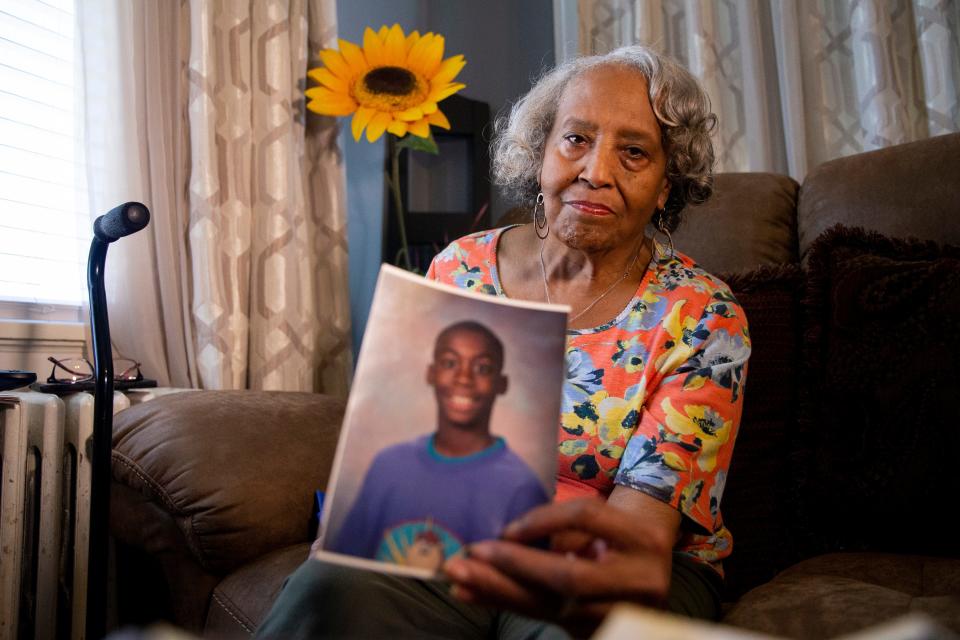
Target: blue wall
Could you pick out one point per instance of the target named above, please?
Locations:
(365, 161)
(506, 43)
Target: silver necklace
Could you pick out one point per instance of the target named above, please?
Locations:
(546, 287)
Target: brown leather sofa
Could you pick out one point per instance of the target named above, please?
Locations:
(844, 475)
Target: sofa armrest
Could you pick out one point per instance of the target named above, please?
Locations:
(235, 471)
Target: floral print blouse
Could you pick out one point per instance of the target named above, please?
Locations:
(652, 399)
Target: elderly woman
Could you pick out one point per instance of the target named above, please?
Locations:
(603, 148)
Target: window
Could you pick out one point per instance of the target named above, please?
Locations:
(44, 221)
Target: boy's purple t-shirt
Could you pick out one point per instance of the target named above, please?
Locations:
(411, 489)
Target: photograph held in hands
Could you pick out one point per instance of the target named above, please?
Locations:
(444, 440)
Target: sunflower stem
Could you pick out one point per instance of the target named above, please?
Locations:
(394, 180)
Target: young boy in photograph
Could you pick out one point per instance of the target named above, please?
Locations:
(422, 500)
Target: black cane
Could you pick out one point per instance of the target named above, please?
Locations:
(120, 221)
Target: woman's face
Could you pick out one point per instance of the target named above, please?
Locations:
(604, 168)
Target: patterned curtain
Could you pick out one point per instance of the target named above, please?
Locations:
(798, 82)
(195, 108)
(267, 231)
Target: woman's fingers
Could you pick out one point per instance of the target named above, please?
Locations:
(572, 541)
(600, 554)
(573, 591)
(634, 576)
(545, 569)
(591, 516)
(481, 583)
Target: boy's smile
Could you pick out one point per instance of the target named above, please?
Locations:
(466, 378)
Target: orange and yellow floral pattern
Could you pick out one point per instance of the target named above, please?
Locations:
(652, 399)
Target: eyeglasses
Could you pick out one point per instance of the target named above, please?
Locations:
(74, 370)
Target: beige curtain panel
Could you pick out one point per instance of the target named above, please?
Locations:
(798, 82)
(241, 281)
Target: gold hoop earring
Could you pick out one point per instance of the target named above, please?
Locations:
(540, 218)
(660, 225)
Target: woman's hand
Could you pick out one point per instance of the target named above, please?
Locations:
(599, 555)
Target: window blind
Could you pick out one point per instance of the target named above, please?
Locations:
(44, 221)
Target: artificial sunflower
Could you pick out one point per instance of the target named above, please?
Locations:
(392, 84)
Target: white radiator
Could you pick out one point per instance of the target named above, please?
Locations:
(30, 506)
(44, 510)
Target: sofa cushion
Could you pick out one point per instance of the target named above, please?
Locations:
(880, 400)
(841, 593)
(159, 574)
(235, 470)
(908, 190)
(750, 220)
(758, 496)
(241, 602)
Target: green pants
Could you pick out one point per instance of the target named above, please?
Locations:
(324, 600)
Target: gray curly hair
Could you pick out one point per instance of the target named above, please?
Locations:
(681, 106)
